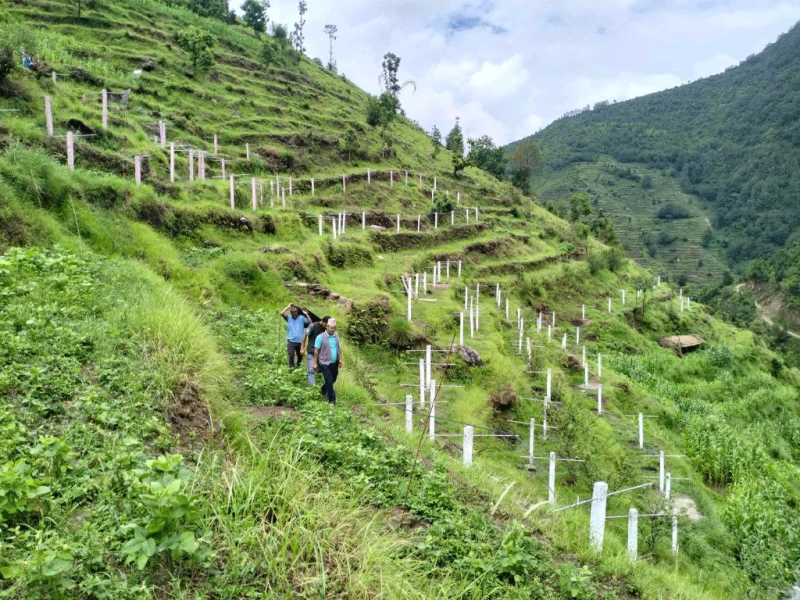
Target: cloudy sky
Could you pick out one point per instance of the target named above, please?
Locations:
(509, 67)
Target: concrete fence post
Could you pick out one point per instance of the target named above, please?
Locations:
(416, 285)
(675, 532)
(459, 269)
(531, 442)
(369, 177)
(312, 187)
(633, 534)
(668, 486)
(586, 376)
(290, 186)
(549, 333)
(162, 130)
(476, 214)
(216, 145)
(283, 197)
(398, 223)
(70, 151)
(247, 151)
(137, 169)
(48, 115)
(409, 413)
(432, 397)
(623, 297)
(424, 282)
(320, 224)
(544, 426)
(191, 164)
(447, 269)
(428, 365)
(436, 220)
(609, 306)
(599, 366)
(419, 222)
(391, 178)
(554, 320)
(641, 431)
(599, 399)
(472, 318)
(564, 342)
(406, 178)
(458, 198)
(460, 329)
(466, 212)
(201, 165)
(410, 293)
(434, 183)
(452, 217)
(104, 94)
(506, 309)
(344, 184)
(577, 336)
(597, 518)
(548, 387)
(583, 355)
(422, 383)
(233, 199)
(661, 471)
(551, 480)
(253, 196)
(333, 223)
(468, 445)
(172, 164)
(583, 312)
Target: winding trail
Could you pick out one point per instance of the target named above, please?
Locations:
(764, 317)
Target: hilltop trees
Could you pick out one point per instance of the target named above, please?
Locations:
(255, 14)
(455, 140)
(436, 140)
(525, 161)
(198, 44)
(390, 80)
(298, 37)
(331, 31)
(485, 155)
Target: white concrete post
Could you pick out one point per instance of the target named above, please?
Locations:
(434, 183)
(661, 471)
(410, 292)
(391, 178)
(458, 198)
(681, 304)
(544, 425)
(659, 280)
(436, 220)
(577, 336)
(419, 222)
(433, 193)
(247, 150)
(633, 534)
(422, 383)
(548, 387)
(48, 115)
(551, 481)
(172, 163)
(583, 352)
(137, 169)
(344, 184)
(564, 342)
(70, 151)
(162, 130)
(104, 94)
(283, 197)
(55, 76)
(460, 329)
(424, 282)
(427, 365)
(216, 145)
(409, 413)
(447, 269)
(623, 297)
(476, 214)
(201, 165)
(222, 166)
(466, 212)
(497, 294)
(369, 177)
(688, 302)
(609, 306)
(261, 192)
(477, 316)
(233, 201)
(506, 309)
(191, 164)
(452, 217)
(549, 333)
(539, 322)
(554, 320)
(416, 285)
(466, 298)
(253, 196)
(333, 221)
(472, 318)
(363, 220)
(668, 486)
(459, 269)
(320, 224)
(432, 423)
(599, 366)
(468, 445)
(641, 431)
(398, 223)
(583, 312)
(586, 376)
(312, 187)
(290, 186)
(597, 518)
(531, 442)
(599, 399)
(675, 532)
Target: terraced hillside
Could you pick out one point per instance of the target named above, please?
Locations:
(672, 247)
(157, 445)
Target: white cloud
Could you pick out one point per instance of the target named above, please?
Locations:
(549, 56)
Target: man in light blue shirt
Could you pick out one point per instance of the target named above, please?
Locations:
(295, 333)
(328, 359)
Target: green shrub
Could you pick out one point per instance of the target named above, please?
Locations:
(34, 177)
(341, 255)
(402, 335)
(369, 324)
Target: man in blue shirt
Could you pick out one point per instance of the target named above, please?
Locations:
(328, 359)
(295, 333)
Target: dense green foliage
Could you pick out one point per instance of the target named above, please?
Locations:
(730, 139)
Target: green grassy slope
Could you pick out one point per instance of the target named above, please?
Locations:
(674, 248)
(147, 329)
(730, 140)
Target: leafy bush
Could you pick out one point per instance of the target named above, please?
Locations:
(368, 324)
(35, 177)
(671, 212)
(402, 334)
(342, 255)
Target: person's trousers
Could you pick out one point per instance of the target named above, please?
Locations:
(293, 349)
(310, 362)
(330, 373)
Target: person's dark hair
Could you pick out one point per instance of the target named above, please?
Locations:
(325, 319)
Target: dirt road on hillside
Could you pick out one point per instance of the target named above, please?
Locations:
(764, 316)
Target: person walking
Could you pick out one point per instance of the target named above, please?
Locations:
(328, 359)
(295, 333)
(311, 336)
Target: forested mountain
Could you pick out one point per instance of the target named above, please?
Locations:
(733, 140)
